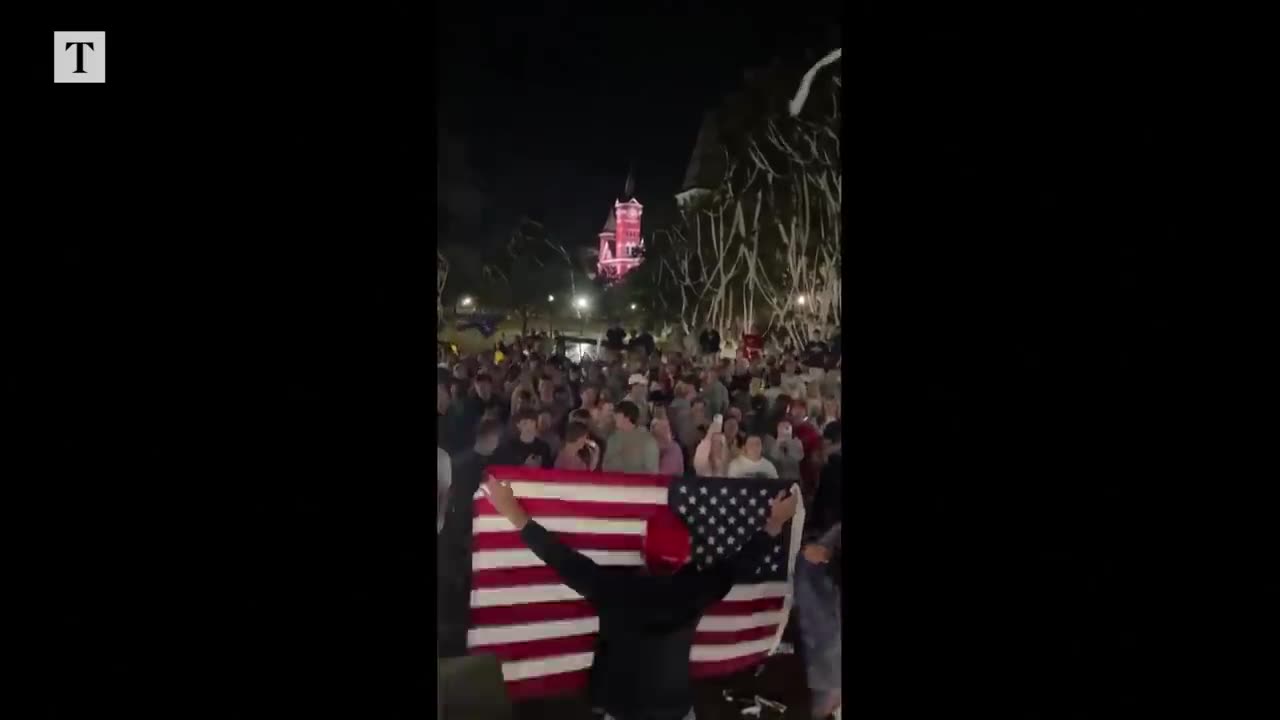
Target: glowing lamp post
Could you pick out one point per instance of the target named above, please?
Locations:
(581, 304)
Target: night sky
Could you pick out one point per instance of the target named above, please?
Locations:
(542, 112)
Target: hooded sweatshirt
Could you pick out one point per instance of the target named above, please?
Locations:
(647, 622)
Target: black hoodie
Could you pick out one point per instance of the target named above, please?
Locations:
(453, 546)
(827, 510)
(647, 622)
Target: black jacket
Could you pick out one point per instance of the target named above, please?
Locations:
(451, 430)
(515, 452)
(645, 341)
(614, 338)
(647, 622)
(475, 407)
(709, 341)
(453, 545)
(827, 509)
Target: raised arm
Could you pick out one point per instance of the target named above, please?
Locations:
(577, 570)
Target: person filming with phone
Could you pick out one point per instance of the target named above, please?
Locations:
(580, 452)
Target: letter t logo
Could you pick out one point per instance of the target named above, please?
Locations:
(79, 46)
(79, 57)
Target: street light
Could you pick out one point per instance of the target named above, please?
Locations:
(633, 306)
(580, 302)
(551, 298)
(466, 301)
(800, 300)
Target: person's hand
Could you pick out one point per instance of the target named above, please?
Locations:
(816, 554)
(781, 509)
(504, 501)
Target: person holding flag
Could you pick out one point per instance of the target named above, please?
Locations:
(647, 615)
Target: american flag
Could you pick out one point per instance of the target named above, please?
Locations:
(544, 633)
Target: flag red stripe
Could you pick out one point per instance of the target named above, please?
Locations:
(531, 612)
(542, 575)
(745, 607)
(576, 477)
(551, 507)
(723, 667)
(734, 636)
(559, 684)
(511, 577)
(550, 647)
(577, 541)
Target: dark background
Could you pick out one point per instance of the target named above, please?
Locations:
(213, 343)
(215, 330)
(545, 108)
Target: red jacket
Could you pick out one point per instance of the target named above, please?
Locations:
(811, 440)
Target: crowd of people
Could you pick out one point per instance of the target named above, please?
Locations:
(685, 409)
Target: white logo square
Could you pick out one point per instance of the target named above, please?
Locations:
(79, 57)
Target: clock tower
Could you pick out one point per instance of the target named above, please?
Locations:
(620, 240)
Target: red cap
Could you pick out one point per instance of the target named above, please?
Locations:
(666, 541)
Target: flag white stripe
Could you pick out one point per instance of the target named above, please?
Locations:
(522, 594)
(527, 632)
(556, 664)
(758, 591)
(730, 623)
(713, 653)
(494, 559)
(498, 597)
(497, 523)
(588, 493)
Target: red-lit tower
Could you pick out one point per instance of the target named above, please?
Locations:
(620, 241)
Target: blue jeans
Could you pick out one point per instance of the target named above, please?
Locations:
(818, 610)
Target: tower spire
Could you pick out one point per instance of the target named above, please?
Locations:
(629, 189)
